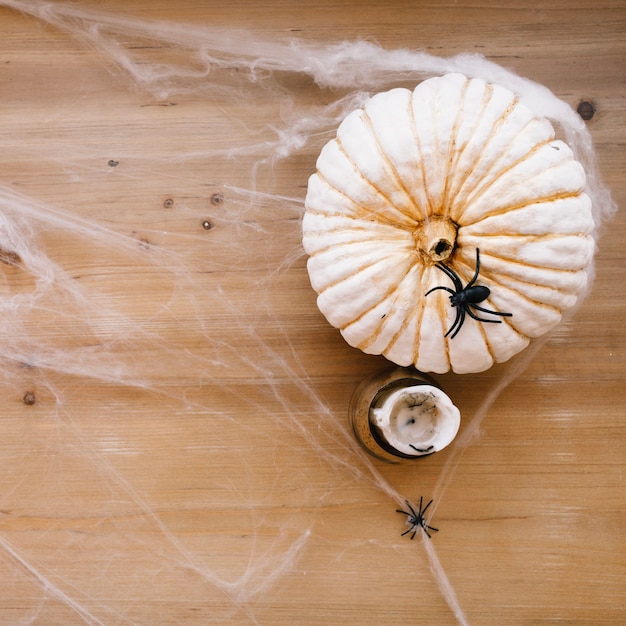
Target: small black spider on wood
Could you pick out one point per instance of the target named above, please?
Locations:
(465, 297)
(416, 519)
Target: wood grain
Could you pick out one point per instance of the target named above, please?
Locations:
(191, 496)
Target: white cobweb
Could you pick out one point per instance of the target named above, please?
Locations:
(195, 354)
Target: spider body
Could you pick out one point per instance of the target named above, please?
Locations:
(466, 298)
(416, 519)
(470, 295)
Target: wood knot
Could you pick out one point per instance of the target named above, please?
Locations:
(217, 198)
(29, 398)
(586, 109)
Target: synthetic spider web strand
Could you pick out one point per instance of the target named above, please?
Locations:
(257, 577)
(471, 431)
(356, 65)
(48, 585)
(330, 66)
(250, 582)
(470, 434)
(354, 459)
(20, 221)
(46, 15)
(367, 471)
(445, 586)
(19, 216)
(352, 456)
(260, 574)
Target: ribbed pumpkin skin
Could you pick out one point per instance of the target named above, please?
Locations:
(458, 161)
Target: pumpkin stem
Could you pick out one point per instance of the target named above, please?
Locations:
(435, 238)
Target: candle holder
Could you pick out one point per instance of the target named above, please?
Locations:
(402, 414)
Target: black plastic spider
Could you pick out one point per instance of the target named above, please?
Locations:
(465, 297)
(416, 520)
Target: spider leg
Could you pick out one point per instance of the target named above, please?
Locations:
(423, 511)
(411, 509)
(459, 311)
(471, 282)
(458, 285)
(458, 322)
(479, 308)
(413, 513)
(444, 288)
(480, 319)
(425, 526)
(431, 528)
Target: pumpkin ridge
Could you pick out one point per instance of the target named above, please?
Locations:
(441, 302)
(543, 264)
(455, 152)
(487, 184)
(468, 194)
(437, 156)
(560, 195)
(417, 307)
(364, 229)
(431, 208)
(522, 295)
(371, 184)
(443, 308)
(520, 292)
(530, 237)
(420, 318)
(483, 332)
(361, 315)
(466, 272)
(367, 214)
(360, 222)
(397, 178)
(389, 315)
(561, 208)
(352, 274)
(491, 282)
(525, 263)
(504, 320)
(484, 103)
(574, 290)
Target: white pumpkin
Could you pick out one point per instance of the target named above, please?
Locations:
(414, 180)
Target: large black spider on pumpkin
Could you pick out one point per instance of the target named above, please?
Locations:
(466, 298)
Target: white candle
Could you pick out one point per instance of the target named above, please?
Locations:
(416, 420)
(401, 413)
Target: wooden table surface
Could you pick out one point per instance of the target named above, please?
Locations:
(175, 444)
